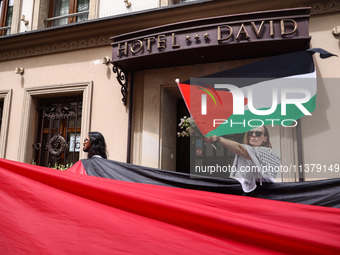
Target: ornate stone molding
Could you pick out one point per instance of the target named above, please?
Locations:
(57, 46)
(321, 7)
(98, 32)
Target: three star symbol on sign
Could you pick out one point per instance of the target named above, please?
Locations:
(197, 37)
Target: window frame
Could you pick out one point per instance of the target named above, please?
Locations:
(72, 10)
(3, 16)
(6, 96)
(83, 88)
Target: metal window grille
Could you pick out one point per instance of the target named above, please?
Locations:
(57, 135)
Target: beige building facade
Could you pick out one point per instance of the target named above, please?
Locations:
(45, 62)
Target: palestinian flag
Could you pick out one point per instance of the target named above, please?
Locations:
(46, 211)
(314, 193)
(275, 91)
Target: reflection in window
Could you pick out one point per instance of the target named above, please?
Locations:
(182, 1)
(82, 5)
(6, 12)
(59, 8)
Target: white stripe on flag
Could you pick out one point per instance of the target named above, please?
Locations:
(204, 104)
(262, 92)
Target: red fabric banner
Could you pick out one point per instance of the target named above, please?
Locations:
(45, 211)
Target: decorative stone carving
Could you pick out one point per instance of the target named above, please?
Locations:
(325, 7)
(54, 47)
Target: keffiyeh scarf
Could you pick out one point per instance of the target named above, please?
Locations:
(263, 166)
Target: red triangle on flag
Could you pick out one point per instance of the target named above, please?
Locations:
(219, 105)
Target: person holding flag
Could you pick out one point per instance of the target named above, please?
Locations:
(277, 90)
(254, 160)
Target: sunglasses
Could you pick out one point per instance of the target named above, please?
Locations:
(257, 133)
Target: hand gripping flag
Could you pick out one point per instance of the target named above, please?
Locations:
(275, 91)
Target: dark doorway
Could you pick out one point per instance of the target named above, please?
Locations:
(183, 143)
(194, 151)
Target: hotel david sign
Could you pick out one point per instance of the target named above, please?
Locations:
(206, 39)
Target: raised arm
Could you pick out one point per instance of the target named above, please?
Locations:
(233, 146)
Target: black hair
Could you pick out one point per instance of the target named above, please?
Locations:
(98, 145)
